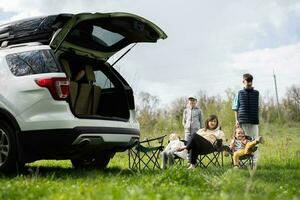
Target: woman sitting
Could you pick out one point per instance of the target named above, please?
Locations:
(205, 141)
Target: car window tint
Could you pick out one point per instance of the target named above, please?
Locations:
(97, 38)
(106, 37)
(102, 80)
(32, 62)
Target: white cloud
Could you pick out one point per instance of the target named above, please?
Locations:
(210, 43)
(284, 61)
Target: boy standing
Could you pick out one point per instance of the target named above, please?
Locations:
(192, 118)
(246, 108)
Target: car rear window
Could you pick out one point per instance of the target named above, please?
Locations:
(102, 80)
(32, 62)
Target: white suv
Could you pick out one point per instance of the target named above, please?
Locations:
(59, 97)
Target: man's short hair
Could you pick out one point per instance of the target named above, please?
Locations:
(248, 77)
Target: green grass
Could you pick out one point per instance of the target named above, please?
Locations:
(277, 177)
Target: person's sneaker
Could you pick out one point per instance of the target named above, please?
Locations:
(260, 139)
(191, 167)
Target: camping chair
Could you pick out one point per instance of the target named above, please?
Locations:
(177, 159)
(246, 160)
(145, 154)
(213, 156)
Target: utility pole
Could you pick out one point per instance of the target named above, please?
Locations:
(278, 109)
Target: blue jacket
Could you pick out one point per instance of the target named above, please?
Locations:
(246, 103)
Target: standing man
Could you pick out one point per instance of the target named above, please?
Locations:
(246, 109)
(192, 118)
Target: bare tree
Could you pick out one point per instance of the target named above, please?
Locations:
(292, 103)
(147, 109)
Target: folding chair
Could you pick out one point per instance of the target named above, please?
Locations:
(177, 159)
(213, 156)
(145, 154)
(246, 160)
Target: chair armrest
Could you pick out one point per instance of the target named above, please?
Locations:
(218, 145)
(153, 139)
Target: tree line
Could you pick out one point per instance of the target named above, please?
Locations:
(157, 121)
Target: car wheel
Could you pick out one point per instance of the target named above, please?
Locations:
(8, 161)
(99, 162)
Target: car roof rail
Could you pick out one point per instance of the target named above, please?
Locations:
(5, 44)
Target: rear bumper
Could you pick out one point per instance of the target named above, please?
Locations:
(76, 142)
(50, 114)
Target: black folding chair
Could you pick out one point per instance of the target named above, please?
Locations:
(145, 155)
(246, 160)
(213, 156)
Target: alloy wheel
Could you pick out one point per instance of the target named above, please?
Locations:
(4, 146)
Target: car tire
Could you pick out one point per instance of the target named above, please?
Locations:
(99, 162)
(8, 153)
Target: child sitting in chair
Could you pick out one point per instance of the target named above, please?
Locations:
(241, 146)
(171, 150)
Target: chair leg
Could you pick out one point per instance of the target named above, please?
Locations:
(156, 158)
(145, 163)
(129, 159)
(133, 159)
(129, 156)
(248, 161)
(251, 162)
(215, 158)
(139, 160)
(222, 158)
(152, 159)
(146, 159)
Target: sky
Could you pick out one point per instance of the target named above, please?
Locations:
(210, 44)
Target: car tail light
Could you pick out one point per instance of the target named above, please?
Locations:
(58, 87)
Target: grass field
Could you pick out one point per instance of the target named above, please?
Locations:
(277, 177)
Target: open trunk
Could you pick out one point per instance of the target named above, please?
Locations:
(83, 43)
(96, 89)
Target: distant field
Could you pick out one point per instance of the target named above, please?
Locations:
(277, 177)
